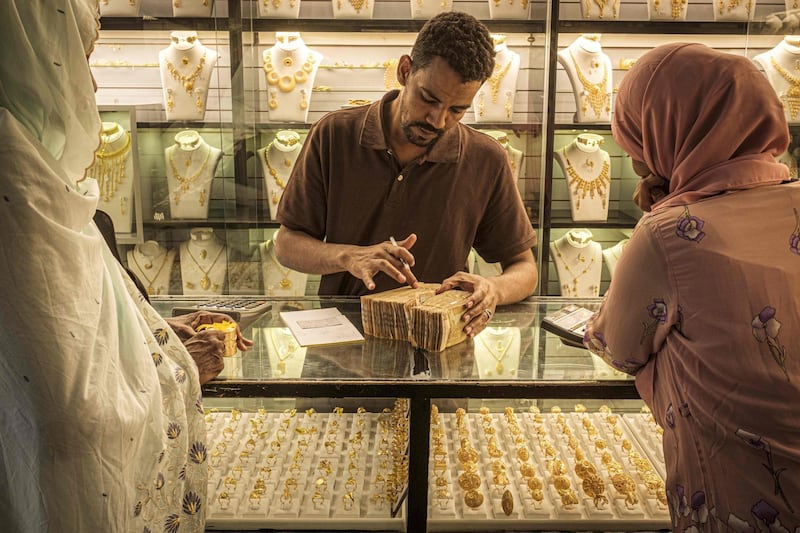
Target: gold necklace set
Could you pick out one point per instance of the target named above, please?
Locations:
(277, 3)
(287, 83)
(130, 2)
(731, 5)
(523, 3)
(187, 81)
(185, 182)
(790, 98)
(677, 7)
(601, 5)
(150, 281)
(581, 187)
(274, 173)
(205, 281)
(497, 78)
(498, 351)
(594, 94)
(109, 168)
(358, 5)
(571, 288)
(178, 3)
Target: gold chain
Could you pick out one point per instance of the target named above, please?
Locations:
(274, 173)
(594, 93)
(571, 290)
(582, 187)
(205, 281)
(497, 78)
(186, 81)
(285, 282)
(149, 281)
(185, 182)
(791, 98)
(501, 352)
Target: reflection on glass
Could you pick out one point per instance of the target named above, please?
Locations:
(286, 356)
(497, 352)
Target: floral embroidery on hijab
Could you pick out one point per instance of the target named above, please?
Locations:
(172, 523)
(162, 336)
(766, 329)
(191, 503)
(690, 227)
(759, 443)
(794, 238)
(173, 430)
(157, 358)
(658, 314)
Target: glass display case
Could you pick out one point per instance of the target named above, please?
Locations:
(514, 406)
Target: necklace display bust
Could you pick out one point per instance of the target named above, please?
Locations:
(186, 66)
(192, 8)
(612, 254)
(667, 9)
(277, 161)
(590, 74)
(509, 9)
(494, 101)
(113, 171)
(586, 168)
(290, 68)
(278, 280)
(120, 8)
(204, 264)
(497, 352)
(781, 65)
(425, 9)
(191, 164)
(740, 10)
(578, 261)
(282, 9)
(152, 264)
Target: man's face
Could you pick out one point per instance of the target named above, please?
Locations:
(433, 101)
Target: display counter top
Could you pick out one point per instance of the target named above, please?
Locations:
(513, 354)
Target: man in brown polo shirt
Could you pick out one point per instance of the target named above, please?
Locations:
(406, 167)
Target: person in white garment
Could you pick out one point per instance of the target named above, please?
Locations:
(101, 415)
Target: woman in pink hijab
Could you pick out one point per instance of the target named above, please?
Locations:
(703, 308)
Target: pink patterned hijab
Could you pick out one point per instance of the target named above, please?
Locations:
(707, 122)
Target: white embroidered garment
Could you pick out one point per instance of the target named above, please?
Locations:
(101, 425)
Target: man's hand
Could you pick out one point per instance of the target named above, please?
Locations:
(364, 262)
(480, 305)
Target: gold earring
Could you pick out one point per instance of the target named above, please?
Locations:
(273, 101)
(480, 104)
(170, 101)
(303, 99)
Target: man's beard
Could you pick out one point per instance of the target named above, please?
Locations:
(418, 141)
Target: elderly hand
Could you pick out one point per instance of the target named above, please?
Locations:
(366, 261)
(207, 348)
(650, 190)
(480, 305)
(185, 326)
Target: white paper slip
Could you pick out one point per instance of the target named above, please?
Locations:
(321, 326)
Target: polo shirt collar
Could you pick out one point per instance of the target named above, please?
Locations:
(446, 150)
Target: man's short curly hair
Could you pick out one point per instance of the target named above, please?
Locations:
(461, 40)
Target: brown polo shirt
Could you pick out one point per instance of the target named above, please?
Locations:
(347, 188)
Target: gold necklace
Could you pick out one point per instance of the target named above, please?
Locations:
(205, 281)
(285, 282)
(287, 83)
(677, 7)
(186, 81)
(150, 281)
(791, 98)
(109, 168)
(274, 173)
(500, 352)
(581, 187)
(283, 353)
(358, 5)
(572, 290)
(594, 94)
(497, 78)
(186, 181)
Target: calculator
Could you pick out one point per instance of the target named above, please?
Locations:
(236, 308)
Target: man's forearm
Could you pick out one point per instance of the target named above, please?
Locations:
(518, 280)
(301, 252)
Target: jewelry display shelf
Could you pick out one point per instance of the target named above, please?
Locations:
(541, 371)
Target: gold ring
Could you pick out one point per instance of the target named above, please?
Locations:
(224, 500)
